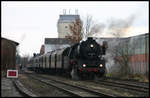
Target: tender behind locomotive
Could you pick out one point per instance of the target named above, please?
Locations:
(80, 60)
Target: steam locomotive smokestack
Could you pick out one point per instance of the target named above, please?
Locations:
(90, 38)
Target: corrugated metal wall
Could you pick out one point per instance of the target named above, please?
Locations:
(139, 60)
(138, 47)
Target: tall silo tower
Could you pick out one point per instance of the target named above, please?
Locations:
(63, 24)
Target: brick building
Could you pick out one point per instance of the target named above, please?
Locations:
(8, 54)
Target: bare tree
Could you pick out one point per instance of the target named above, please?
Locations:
(82, 30)
(42, 50)
(24, 59)
(121, 51)
(18, 57)
(91, 27)
(97, 29)
(87, 25)
(122, 55)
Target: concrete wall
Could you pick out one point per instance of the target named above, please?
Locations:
(64, 30)
(63, 27)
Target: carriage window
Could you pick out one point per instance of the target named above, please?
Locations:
(45, 60)
(49, 60)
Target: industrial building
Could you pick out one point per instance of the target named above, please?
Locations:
(63, 25)
(139, 59)
(63, 28)
(137, 48)
(8, 54)
(56, 43)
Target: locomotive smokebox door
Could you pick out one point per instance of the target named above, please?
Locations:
(104, 46)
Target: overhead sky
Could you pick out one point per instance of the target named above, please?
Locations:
(29, 22)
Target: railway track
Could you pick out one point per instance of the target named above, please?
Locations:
(94, 87)
(74, 90)
(23, 91)
(131, 88)
(106, 87)
(134, 86)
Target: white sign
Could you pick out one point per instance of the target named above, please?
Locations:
(12, 73)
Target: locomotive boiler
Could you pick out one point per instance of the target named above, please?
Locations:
(81, 60)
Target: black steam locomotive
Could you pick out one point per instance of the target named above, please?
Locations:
(84, 59)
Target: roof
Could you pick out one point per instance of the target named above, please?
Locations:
(10, 40)
(123, 38)
(68, 18)
(57, 41)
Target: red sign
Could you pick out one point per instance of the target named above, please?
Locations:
(12, 73)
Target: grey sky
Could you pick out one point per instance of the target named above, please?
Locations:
(30, 22)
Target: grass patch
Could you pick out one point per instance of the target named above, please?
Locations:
(108, 75)
(3, 73)
(32, 83)
(136, 77)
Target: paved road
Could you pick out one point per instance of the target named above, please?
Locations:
(8, 89)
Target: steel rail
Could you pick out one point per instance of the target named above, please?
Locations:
(73, 89)
(23, 91)
(141, 84)
(124, 85)
(128, 83)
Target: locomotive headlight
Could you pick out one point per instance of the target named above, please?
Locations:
(84, 65)
(91, 45)
(100, 65)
